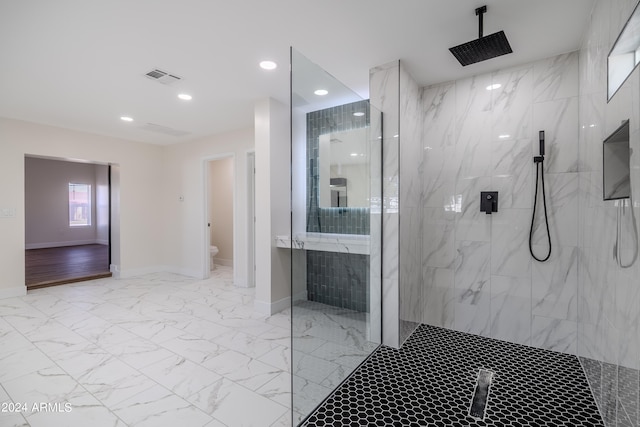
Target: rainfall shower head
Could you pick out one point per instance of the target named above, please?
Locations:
(483, 48)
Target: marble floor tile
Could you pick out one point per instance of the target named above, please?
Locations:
(194, 348)
(13, 420)
(227, 402)
(278, 390)
(79, 416)
(16, 364)
(158, 407)
(241, 369)
(180, 375)
(154, 350)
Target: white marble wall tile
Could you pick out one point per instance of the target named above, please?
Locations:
(511, 163)
(598, 46)
(554, 334)
(555, 284)
(472, 286)
(509, 243)
(592, 290)
(410, 134)
(439, 113)
(473, 113)
(439, 297)
(562, 209)
(558, 118)
(591, 132)
(511, 309)
(627, 295)
(620, 11)
(438, 243)
(556, 77)
(471, 224)
(590, 341)
(441, 166)
(512, 103)
(410, 264)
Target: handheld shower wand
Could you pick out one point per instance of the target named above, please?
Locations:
(539, 162)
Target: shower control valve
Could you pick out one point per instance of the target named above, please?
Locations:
(488, 202)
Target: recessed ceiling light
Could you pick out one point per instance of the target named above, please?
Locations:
(185, 97)
(321, 92)
(358, 114)
(354, 154)
(268, 65)
(126, 119)
(494, 86)
(505, 136)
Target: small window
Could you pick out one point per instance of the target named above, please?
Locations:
(79, 205)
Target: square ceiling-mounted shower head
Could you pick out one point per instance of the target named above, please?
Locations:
(483, 48)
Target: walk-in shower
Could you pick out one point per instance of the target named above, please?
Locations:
(462, 294)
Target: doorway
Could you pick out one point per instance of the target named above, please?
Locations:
(220, 206)
(67, 221)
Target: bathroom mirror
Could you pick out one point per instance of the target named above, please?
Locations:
(616, 172)
(624, 55)
(344, 168)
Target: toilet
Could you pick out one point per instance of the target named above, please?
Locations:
(213, 250)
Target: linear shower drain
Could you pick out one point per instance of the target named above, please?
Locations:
(481, 394)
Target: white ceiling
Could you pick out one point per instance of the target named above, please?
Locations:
(79, 64)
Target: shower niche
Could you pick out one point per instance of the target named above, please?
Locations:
(616, 174)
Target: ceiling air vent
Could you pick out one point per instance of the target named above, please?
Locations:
(152, 127)
(162, 77)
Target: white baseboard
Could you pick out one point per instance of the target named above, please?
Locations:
(63, 244)
(225, 262)
(134, 272)
(183, 271)
(102, 242)
(15, 291)
(268, 309)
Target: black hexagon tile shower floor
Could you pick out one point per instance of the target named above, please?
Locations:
(430, 381)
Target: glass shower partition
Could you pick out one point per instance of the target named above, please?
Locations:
(336, 233)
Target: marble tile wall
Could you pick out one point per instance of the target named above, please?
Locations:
(409, 139)
(608, 296)
(478, 274)
(384, 94)
(396, 94)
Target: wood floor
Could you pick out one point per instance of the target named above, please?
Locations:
(55, 266)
